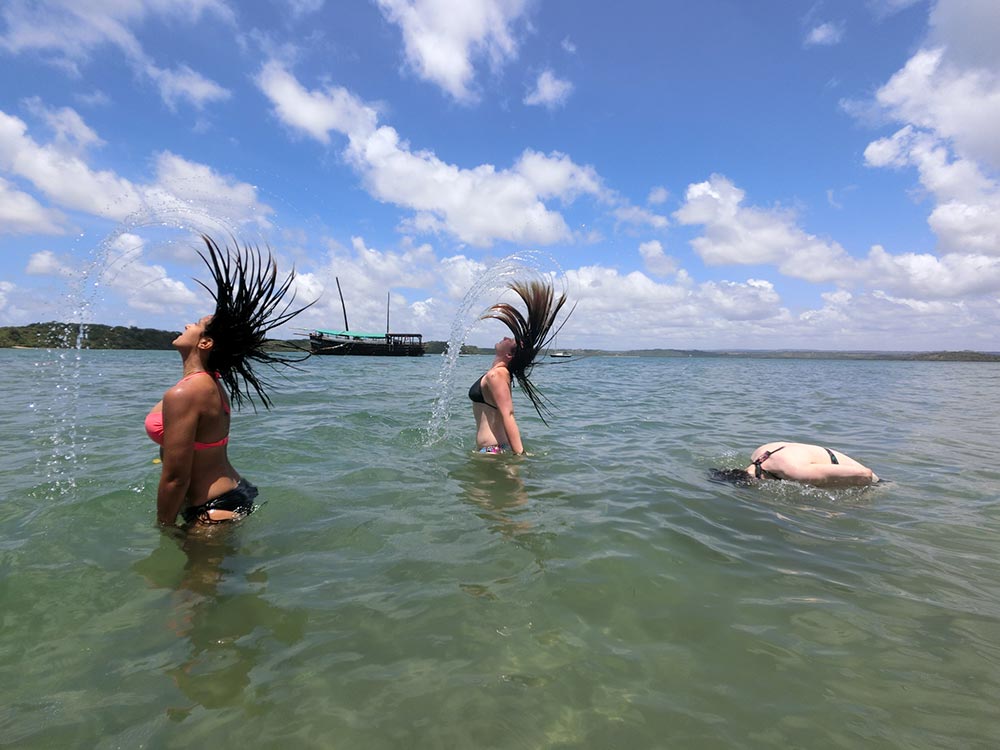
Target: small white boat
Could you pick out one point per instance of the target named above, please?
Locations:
(558, 353)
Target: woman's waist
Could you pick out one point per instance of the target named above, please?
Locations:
(209, 486)
(488, 434)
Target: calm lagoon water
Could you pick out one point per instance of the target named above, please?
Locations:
(396, 590)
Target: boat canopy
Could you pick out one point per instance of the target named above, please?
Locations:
(352, 334)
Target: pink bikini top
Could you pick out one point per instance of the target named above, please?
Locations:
(154, 420)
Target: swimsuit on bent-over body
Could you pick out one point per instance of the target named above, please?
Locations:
(759, 470)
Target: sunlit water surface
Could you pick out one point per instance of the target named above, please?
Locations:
(396, 590)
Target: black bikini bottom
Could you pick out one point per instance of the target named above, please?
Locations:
(238, 500)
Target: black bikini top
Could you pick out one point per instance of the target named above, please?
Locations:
(476, 393)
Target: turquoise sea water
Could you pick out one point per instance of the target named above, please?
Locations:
(396, 590)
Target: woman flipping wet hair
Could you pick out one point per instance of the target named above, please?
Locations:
(800, 462)
(191, 422)
(491, 395)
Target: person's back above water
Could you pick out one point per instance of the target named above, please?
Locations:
(801, 462)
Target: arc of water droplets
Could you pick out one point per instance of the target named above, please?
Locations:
(496, 279)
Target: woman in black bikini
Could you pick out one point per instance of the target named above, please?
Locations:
(801, 462)
(491, 396)
(191, 422)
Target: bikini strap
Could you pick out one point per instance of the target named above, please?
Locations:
(217, 377)
(758, 469)
(191, 375)
(218, 382)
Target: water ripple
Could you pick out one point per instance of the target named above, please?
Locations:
(600, 592)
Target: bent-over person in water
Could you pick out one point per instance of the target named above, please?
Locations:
(800, 462)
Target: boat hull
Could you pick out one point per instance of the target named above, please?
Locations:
(390, 346)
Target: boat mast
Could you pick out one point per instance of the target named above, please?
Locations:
(342, 305)
(387, 313)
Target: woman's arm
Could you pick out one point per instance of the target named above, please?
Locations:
(500, 390)
(180, 424)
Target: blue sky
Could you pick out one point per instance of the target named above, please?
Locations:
(702, 175)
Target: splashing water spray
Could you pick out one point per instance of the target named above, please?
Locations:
(527, 263)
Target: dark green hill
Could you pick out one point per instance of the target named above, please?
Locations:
(54, 335)
(96, 336)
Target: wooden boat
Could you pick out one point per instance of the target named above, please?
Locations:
(369, 344)
(348, 342)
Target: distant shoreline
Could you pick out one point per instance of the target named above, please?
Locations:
(53, 336)
(936, 356)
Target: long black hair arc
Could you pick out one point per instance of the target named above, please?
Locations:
(249, 302)
(532, 332)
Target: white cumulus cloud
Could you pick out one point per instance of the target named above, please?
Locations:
(658, 195)
(637, 216)
(478, 205)
(443, 39)
(946, 102)
(315, 113)
(69, 33)
(656, 261)
(966, 217)
(65, 178)
(926, 276)
(549, 91)
(183, 190)
(955, 103)
(825, 35)
(45, 263)
(145, 287)
(184, 84)
(21, 213)
(738, 234)
(72, 134)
